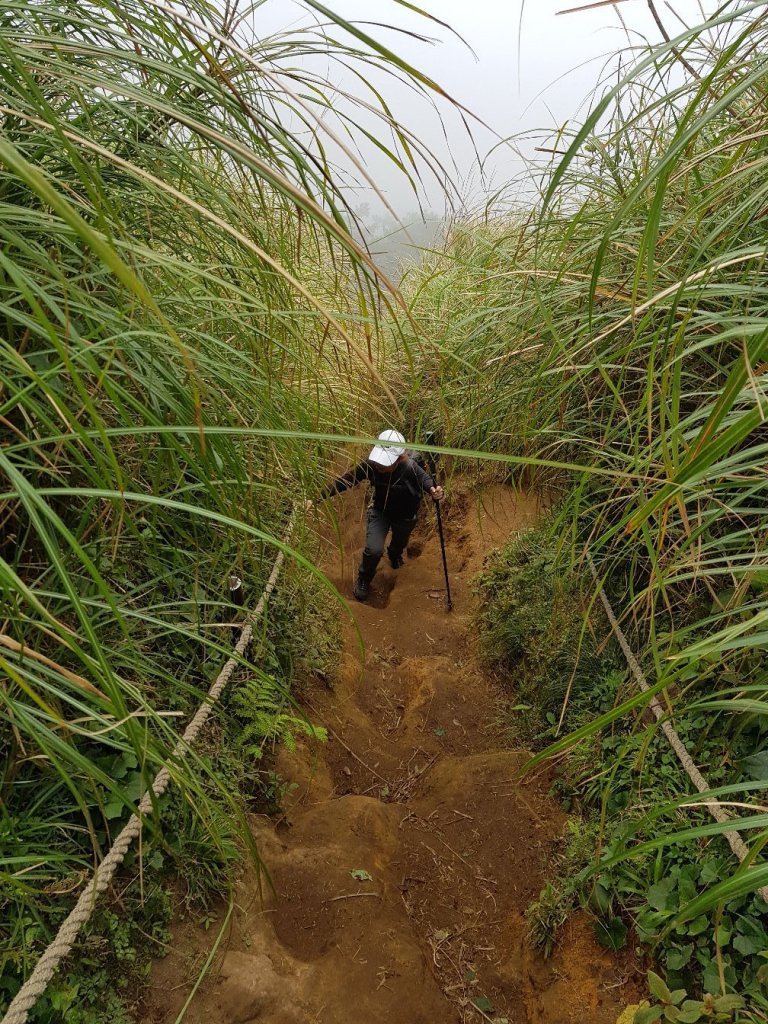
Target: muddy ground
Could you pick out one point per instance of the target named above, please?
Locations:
(408, 852)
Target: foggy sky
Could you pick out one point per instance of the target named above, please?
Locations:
(525, 75)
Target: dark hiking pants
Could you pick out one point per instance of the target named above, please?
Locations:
(379, 525)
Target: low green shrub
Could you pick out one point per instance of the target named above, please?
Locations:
(673, 1006)
(531, 630)
(101, 983)
(616, 781)
(530, 622)
(188, 858)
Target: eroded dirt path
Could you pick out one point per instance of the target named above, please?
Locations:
(407, 853)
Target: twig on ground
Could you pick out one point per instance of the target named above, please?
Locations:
(353, 896)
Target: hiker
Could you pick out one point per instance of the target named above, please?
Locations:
(398, 483)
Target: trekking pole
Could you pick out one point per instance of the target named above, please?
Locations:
(449, 602)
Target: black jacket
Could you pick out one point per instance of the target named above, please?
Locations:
(397, 493)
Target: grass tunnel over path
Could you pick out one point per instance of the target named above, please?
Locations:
(406, 854)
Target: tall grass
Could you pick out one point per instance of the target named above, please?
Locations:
(175, 264)
(623, 325)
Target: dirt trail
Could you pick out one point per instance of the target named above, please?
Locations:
(415, 789)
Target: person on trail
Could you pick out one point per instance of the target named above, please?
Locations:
(398, 483)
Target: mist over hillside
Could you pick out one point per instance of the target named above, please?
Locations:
(396, 245)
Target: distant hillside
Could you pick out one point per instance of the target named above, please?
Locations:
(398, 244)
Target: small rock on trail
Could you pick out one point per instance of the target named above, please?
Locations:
(409, 850)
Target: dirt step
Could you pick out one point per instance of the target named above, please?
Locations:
(409, 847)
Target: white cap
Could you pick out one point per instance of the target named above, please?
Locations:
(392, 447)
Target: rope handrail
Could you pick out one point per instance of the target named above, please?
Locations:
(736, 843)
(60, 947)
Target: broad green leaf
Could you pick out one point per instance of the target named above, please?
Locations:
(756, 765)
(698, 925)
(677, 958)
(648, 1014)
(728, 1003)
(611, 933)
(361, 875)
(658, 987)
(660, 894)
(690, 1012)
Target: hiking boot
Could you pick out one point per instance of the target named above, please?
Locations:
(396, 561)
(362, 588)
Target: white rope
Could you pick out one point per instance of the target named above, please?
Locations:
(735, 841)
(62, 944)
